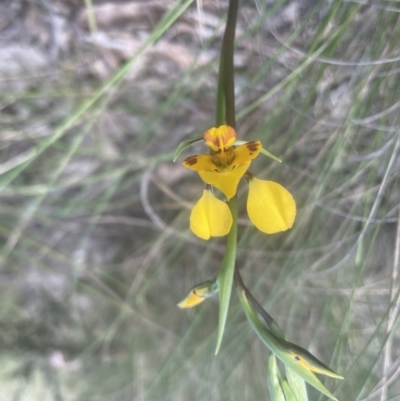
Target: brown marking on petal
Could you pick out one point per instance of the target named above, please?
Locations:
(297, 358)
(220, 136)
(208, 137)
(191, 160)
(253, 146)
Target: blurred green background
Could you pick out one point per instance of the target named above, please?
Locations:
(95, 246)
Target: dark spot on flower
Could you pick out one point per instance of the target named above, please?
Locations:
(191, 160)
(297, 358)
(252, 146)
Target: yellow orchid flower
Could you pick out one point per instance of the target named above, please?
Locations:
(270, 206)
(225, 165)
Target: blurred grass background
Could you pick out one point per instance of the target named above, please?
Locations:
(95, 247)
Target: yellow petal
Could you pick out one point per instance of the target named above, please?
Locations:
(191, 300)
(199, 163)
(199, 293)
(222, 137)
(246, 152)
(210, 217)
(226, 182)
(270, 206)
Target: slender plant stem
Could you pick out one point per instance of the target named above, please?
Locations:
(228, 74)
(226, 97)
(225, 110)
(220, 109)
(227, 77)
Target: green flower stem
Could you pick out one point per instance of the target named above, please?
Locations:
(220, 113)
(226, 272)
(228, 47)
(225, 110)
(226, 102)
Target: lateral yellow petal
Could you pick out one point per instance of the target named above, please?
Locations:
(210, 217)
(226, 182)
(270, 206)
(219, 138)
(246, 152)
(199, 163)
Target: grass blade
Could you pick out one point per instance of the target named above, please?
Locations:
(225, 275)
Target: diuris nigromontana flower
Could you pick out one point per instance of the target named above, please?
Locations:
(270, 206)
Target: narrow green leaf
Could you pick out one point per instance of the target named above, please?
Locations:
(304, 357)
(297, 385)
(270, 155)
(279, 387)
(281, 348)
(263, 151)
(225, 275)
(184, 144)
(308, 360)
(307, 375)
(269, 320)
(274, 380)
(287, 390)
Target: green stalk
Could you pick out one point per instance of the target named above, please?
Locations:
(225, 110)
(220, 109)
(228, 47)
(226, 97)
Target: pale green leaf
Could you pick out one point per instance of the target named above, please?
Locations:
(226, 272)
(184, 144)
(288, 391)
(305, 358)
(270, 155)
(274, 380)
(281, 348)
(296, 384)
(269, 320)
(225, 280)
